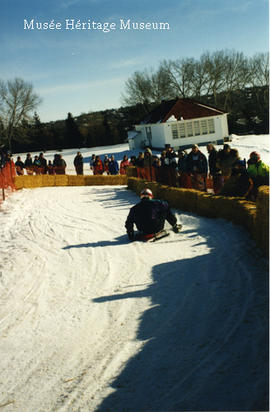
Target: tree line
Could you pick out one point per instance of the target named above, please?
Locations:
(225, 79)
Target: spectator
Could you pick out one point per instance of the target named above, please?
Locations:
(170, 166)
(37, 165)
(123, 165)
(106, 162)
(214, 171)
(148, 170)
(182, 167)
(63, 165)
(133, 161)
(28, 164)
(98, 166)
(156, 165)
(92, 160)
(113, 166)
(51, 169)
(162, 170)
(43, 163)
(139, 165)
(258, 172)
(239, 183)
(19, 166)
(225, 160)
(59, 164)
(197, 168)
(78, 163)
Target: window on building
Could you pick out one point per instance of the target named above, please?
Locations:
(211, 125)
(174, 131)
(189, 129)
(204, 127)
(182, 130)
(196, 126)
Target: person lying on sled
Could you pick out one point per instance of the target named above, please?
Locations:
(149, 216)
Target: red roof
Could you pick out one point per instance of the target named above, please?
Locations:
(180, 108)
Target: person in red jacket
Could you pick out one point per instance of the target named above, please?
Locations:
(98, 166)
(106, 162)
(123, 165)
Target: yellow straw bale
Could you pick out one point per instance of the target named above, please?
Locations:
(61, 180)
(48, 180)
(132, 171)
(19, 182)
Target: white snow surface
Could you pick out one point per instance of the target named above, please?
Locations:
(92, 322)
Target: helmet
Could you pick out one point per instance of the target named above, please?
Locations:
(146, 193)
(255, 155)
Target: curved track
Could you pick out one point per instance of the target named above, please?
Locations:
(92, 322)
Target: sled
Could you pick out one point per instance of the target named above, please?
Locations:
(153, 237)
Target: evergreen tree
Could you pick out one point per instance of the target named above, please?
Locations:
(72, 135)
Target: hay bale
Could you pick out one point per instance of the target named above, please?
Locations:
(19, 182)
(207, 205)
(132, 171)
(61, 180)
(32, 181)
(48, 180)
(77, 180)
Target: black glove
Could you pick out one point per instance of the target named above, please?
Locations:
(131, 235)
(175, 228)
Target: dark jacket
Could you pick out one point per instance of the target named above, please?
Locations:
(28, 162)
(182, 164)
(113, 167)
(197, 163)
(149, 216)
(238, 184)
(225, 161)
(78, 160)
(212, 161)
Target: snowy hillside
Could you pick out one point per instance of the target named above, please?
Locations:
(91, 322)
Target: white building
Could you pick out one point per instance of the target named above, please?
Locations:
(180, 123)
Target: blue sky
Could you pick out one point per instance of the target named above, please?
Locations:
(85, 70)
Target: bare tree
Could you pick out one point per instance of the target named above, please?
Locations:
(201, 77)
(137, 89)
(259, 69)
(181, 76)
(17, 102)
(148, 86)
(236, 74)
(161, 87)
(259, 79)
(214, 65)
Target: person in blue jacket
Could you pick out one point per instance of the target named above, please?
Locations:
(113, 166)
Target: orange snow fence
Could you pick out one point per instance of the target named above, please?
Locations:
(7, 174)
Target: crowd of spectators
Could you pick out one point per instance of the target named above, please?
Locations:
(223, 172)
(40, 166)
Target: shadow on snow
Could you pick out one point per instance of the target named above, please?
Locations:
(206, 339)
